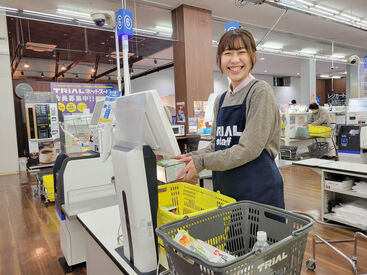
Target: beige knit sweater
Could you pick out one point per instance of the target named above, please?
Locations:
(262, 130)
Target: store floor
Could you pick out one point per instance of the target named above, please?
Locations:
(29, 232)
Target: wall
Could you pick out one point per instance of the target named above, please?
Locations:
(8, 137)
(162, 81)
(283, 95)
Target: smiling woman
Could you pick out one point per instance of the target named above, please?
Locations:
(246, 130)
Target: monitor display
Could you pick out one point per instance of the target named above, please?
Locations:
(142, 120)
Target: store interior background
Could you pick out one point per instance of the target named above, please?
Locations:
(294, 32)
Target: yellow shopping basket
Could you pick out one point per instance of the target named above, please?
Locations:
(177, 200)
(319, 131)
(48, 183)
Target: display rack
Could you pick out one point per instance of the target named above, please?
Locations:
(341, 169)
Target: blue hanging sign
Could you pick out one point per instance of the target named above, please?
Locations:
(124, 22)
(365, 61)
(232, 26)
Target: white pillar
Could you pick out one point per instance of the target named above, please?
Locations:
(352, 81)
(8, 135)
(308, 81)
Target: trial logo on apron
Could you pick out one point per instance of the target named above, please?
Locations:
(224, 134)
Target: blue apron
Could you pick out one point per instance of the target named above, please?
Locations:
(258, 180)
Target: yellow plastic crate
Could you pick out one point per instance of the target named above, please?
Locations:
(48, 184)
(189, 200)
(319, 131)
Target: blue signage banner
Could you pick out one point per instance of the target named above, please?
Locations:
(365, 61)
(124, 22)
(232, 26)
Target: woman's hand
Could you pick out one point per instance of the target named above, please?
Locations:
(189, 169)
(178, 157)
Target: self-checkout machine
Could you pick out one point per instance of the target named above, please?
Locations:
(83, 182)
(352, 138)
(142, 130)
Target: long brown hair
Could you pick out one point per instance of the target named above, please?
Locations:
(229, 41)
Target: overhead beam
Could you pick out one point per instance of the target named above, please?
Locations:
(95, 68)
(57, 66)
(154, 70)
(15, 64)
(132, 60)
(68, 68)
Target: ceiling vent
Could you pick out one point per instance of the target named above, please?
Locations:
(39, 47)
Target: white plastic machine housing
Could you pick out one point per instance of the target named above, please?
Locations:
(140, 120)
(84, 179)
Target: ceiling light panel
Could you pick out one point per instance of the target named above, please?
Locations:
(73, 13)
(272, 46)
(306, 3)
(327, 9)
(350, 17)
(47, 15)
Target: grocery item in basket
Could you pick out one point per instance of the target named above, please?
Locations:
(261, 242)
(170, 208)
(201, 248)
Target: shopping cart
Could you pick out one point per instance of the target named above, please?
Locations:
(289, 152)
(319, 149)
(311, 263)
(233, 229)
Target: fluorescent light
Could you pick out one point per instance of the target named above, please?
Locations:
(344, 73)
(164, 29)
(71, 13)
(350, 17)
(321, 11)
(327, 9)
(273, 46)
(298, 73)
(290, 53)
(339, 56)
(342, 18)
(86, 21)
(214, 42)
(144, 31)
(336, 77)
(306, 3)
(309, 51)
(8, 9)
(324, 75)
(47, 15)
(265, 71)
(262, 58)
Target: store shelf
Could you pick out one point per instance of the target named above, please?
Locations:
(350, 193)
(351, 170)
(330, 217)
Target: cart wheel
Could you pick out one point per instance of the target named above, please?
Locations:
(311, 264)
(46, 203)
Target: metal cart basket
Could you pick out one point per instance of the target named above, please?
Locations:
(233, 229)
(318, 149)
(288, 152)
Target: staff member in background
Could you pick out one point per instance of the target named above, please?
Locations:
(246, 128)
(319, 117)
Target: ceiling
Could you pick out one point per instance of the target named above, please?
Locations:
(294, 31)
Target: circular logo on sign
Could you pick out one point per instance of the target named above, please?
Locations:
(128, 22)
(71, 107)
(81, 106)
(119, 22)
(231, 28)
(61, 106)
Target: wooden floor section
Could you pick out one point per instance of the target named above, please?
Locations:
(29, 231)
